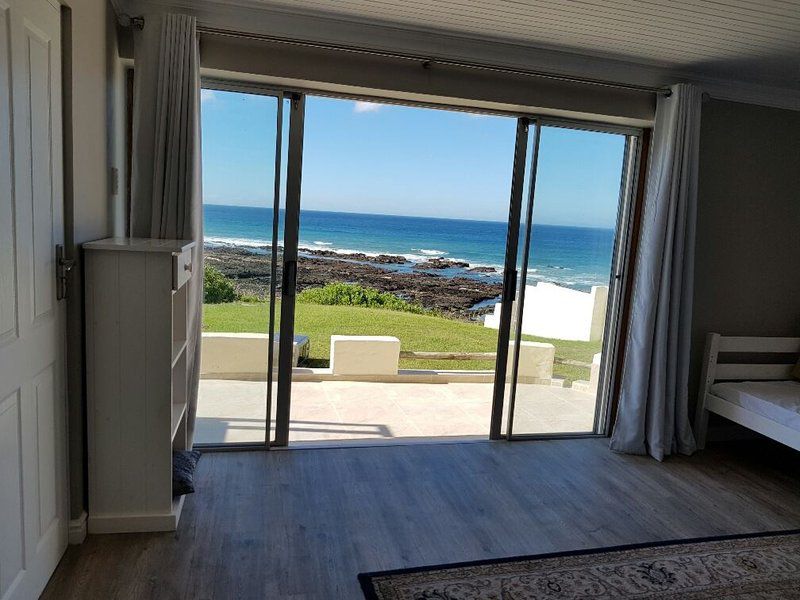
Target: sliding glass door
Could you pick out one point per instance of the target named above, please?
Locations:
(523, 178)
(286, 355)
(379, 271)
(395, 244)
(572, 236)
(244, 163)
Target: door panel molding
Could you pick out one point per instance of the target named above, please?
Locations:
(12, 526)
(44, 393)
(39, 77)
(9, 316)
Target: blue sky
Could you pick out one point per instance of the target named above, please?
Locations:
(373, 158)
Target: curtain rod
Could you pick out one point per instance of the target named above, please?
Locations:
(426, 61)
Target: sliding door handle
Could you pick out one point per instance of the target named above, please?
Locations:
(509, 284)
(289, 284)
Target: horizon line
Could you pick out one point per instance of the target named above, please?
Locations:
(349, 212)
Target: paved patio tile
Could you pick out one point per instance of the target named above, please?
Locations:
(234, 411)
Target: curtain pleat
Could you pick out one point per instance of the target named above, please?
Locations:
(653, 414)
(166, 196)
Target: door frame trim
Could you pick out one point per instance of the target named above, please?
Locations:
(271, 89)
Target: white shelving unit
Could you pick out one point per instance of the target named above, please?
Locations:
(136, 311)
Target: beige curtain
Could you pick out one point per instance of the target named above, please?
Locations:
(166, 198)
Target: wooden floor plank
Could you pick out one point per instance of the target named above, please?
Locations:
(301, 524)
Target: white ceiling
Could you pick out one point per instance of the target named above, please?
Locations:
(751, 40)
(743, 50)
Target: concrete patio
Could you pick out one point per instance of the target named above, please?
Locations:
(233, 411)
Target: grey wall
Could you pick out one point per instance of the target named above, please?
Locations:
(90, 209)
(747, 274)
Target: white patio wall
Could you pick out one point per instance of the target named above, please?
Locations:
(355, 358)
(591, 386)
(535, 362)
(561, 313)
(242, 355)
(364, 354)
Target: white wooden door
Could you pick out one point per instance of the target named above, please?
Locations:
(33, 490)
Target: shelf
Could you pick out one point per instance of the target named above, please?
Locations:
(151, 323)
(178, 346)
(119, 244)
(177, 414)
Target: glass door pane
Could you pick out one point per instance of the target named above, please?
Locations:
(279, 228)
(240, 154)
(401, 237)
(518, 261)
(295, 109)
(567, 281)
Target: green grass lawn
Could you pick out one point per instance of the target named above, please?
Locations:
(415, 332)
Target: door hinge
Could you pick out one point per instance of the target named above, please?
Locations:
(63, 267)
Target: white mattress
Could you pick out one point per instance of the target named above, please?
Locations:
(775, 400)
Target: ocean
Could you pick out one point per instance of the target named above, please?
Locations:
(576, 257)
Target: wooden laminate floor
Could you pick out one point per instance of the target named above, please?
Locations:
(302, 524)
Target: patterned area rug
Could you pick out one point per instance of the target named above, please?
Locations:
(761, 566)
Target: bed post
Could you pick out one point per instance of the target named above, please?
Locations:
(706, 381)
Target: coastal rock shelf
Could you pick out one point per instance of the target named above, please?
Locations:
(384, 259)
(455, 296)
(441, 263)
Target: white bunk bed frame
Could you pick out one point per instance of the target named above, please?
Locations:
(714, 370)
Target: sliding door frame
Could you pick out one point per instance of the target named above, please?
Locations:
(521, 283)
(291, 233)
(620, 270)
(509, 272)
(525, 120)
(618, 276)
(225, 85)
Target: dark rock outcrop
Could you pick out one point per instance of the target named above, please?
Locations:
(441, 263)
(452, 296)
(385, 259)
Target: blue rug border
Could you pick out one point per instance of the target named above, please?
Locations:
(365, 579)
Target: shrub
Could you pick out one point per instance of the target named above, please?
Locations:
(216, 287)
(350, 294)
